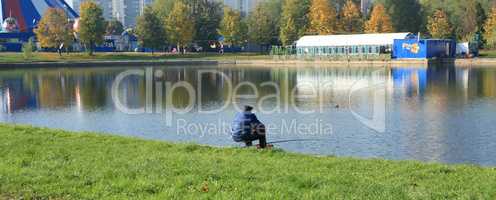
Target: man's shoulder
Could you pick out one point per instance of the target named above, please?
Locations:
(245, 115)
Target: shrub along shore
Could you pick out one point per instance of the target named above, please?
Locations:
(6, 58)
(120, 56)
(39, 163)
(43, 60)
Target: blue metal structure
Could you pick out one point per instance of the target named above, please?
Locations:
(14, 41)
(28, 13)
(19, 17)
(423, 49)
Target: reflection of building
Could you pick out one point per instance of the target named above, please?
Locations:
(411, 80)
(489, 83)
(14, 97)
(336, 78)
(337, 84)
(3, 101)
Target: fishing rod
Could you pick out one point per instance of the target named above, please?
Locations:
(296, 140)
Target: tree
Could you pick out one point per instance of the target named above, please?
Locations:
(406, 15)
(208, 15)
(467, 26)
(467, 15)
(274, 9)
(180, 25)
(322, 17)
(379, 21)
(439, 26)
(149, 30)
(351, 18)
(261, 25)
(481, 19)
(163, 7)
(470, 21)
(91, 25)
(231, 27)
(114, 27)
(490, 29)
(294, 20)
(27, 49)
(289, 33)
(54, 29)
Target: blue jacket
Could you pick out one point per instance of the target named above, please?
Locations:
(242, 125)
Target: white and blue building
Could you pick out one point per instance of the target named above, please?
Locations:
(398, 45)
(423, 48)
(348, 45)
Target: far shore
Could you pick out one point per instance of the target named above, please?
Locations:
(44, 60)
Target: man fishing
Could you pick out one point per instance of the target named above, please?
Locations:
(247, 128)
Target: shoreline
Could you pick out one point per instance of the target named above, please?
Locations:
(255, 62)
(85, 165)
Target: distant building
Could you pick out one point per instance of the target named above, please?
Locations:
(106, 5)
(125, 11)
(243, 6)
(348, 45)
(143, 4)
(365, 6)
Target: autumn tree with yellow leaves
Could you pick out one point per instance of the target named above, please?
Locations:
(322, 17)
(180, 25)
(490, 29)
(294, 20)
(54, 29)
(351, 18)
(91, 25)
(379, 21)
(439, 26)
(232, 27)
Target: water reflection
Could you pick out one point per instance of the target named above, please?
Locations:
(439, 113)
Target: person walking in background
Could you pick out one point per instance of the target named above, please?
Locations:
(221, 51)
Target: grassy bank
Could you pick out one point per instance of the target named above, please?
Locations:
(42, 163)
(53, 57)
(487, 53)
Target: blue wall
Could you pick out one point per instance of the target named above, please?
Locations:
(422, 49)
(22, 37)
(16, 41)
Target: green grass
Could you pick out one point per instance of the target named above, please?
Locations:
(37, 163)
(53, 57)
(487, 53)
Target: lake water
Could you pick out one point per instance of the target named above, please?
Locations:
(437, 114)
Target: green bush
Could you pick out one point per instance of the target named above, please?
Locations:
(27, 49)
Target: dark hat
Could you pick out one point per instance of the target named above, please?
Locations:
(248, 108)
